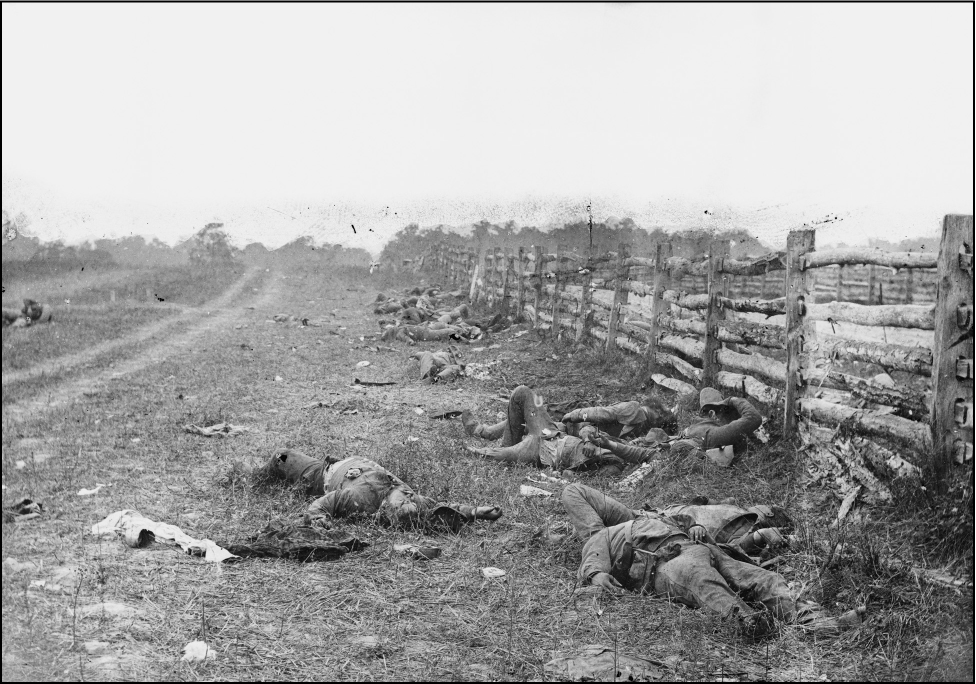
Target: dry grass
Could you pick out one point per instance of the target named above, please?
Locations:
(376, 614)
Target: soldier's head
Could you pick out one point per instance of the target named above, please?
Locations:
(32, 309)
(400, 507)
(713, 406)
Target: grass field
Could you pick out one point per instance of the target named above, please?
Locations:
(375, 614)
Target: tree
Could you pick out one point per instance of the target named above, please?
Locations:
(211, 245)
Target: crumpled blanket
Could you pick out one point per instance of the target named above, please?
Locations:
(138, 531)
(218, 430)
(308, 540)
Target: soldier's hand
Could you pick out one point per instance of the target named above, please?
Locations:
(697, 533)
(606, 582)
(573, 417)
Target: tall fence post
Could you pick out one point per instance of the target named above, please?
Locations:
(620, 296)
(713, 314)
(910, 286)
(585, 303)
(538, 284)
(871, 276)
(657, 302)
(799, 331)
(506, 268)
(952, 364)
(520, 284)
(557, 291)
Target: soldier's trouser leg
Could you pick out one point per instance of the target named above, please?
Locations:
(526, 414)
(590, 510)
(526, 451)
(691, 579)
(489, 432)
(761, 585)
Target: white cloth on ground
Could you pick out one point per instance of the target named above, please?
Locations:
(130, 524)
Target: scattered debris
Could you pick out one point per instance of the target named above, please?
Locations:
(108, 608)
(14, 565)
(362, 364)
(418, 552)
(373, 383)
(604, 663)
(493, 573)
(528, 490)
(197, 652)
(97, 488)
(218, 430)
(445, 415)
(419, 411)
(313, 541)
(847, 504)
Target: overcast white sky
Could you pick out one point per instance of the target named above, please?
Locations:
(287, 119)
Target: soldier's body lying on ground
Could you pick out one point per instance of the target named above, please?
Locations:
(721, 433)
(676, 557)
(439, 366)
(529, 434)
(358, 486)
(31, 312)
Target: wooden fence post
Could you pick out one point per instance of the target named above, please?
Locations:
(910, 286)
(799, 331)
(538, 284)
(583, 329)
(506, 267)
(952, 364)
(519, 284)
(557, 292)
(661, 276)
(620, 296)
(713, 314)
(871, 276)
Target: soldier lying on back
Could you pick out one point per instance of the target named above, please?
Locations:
(530, 436)
(358, 486)
(677, 557)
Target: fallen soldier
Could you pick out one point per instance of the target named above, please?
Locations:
(751, 529)
(676, 557)
(623, 420)
(721, 434)
(530, 436)
(15, 319)
(34, 311)
(439, 366)
(358, 486)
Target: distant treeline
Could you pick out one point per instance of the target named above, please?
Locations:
(210, 246)
(412, 241)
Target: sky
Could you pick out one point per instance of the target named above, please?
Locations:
(347, 122)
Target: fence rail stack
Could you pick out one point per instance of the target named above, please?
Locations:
(789, 330)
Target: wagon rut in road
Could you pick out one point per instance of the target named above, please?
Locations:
(146, 332)
(72, 390)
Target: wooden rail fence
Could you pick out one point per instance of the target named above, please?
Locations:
(749, 326)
